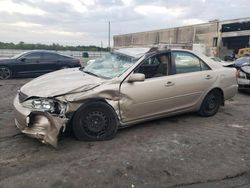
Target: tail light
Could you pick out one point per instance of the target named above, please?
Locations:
(241, 74)
(238, 73)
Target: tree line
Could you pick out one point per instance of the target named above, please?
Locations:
(27, 46)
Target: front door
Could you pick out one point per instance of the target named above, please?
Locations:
(29, 64)
(150, 97)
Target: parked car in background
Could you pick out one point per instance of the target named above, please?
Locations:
(229, 57)
(123, 88)
(243, 51)
(243, 77)
(241, 61)
(34, 63)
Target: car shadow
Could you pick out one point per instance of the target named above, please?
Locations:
(165, 121)
(181, 119)
(244, 92)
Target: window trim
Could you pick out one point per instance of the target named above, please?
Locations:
(200, 60)
(31, 53)
(169, 71)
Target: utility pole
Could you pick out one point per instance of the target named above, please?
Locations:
(101, 48)
(109, 37)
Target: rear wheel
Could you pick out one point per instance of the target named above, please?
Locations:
(95, 121)
(211, 104)
(5, 73)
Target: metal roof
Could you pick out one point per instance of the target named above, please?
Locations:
(133, 52)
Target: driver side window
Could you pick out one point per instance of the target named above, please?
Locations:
(33, 56)
(155, 66)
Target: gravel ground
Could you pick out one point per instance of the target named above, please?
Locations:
(181, 151)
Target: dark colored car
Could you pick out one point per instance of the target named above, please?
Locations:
(241, 61)
(229, 58)
(243, 77)
(35, 63)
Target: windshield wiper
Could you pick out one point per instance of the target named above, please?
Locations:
(91, 73)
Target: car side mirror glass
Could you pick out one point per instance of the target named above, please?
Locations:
(23, 59)
(136, 77)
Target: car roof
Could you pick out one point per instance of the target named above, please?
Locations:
(138, 52)
(133, 52)
(41, 51)
(243, 58)
(46, 51)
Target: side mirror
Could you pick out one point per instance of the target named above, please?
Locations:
(136, 77)
(23, 59)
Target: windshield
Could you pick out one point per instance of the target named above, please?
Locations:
(18, 55)
(110, 66)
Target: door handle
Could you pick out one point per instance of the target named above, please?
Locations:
(168, 84)
(208, 77)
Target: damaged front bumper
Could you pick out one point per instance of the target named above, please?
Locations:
(38, 124)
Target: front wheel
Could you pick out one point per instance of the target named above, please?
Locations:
(5, 73)
(210, 104)
(95, 121)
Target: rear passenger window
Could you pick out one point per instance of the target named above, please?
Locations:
(50, 56)
(186, 62)
(33, 56)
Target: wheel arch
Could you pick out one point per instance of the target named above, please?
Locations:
(84, 108)
(221, 94)
(97, 99)
(7, 66)
(12, 72)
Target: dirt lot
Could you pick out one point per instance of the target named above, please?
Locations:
(182, 151)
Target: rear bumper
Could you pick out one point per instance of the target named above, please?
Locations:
(243, 84)
(244, 87)
(40, 125)
(230, 92)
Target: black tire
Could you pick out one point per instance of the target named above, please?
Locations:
(211, 104)
(95, 121)
(5, 73)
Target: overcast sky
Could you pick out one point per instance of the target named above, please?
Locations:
(85, 22)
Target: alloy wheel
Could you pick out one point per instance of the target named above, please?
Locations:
(5, 73)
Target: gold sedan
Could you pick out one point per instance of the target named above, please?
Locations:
(122, 88)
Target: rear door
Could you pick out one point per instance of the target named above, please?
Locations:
(192, 78)
(50, 61)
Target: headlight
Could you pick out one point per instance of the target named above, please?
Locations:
(41, 104)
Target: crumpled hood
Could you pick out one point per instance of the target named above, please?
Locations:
(60, 82)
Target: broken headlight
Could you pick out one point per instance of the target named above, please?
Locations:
(43, 104)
